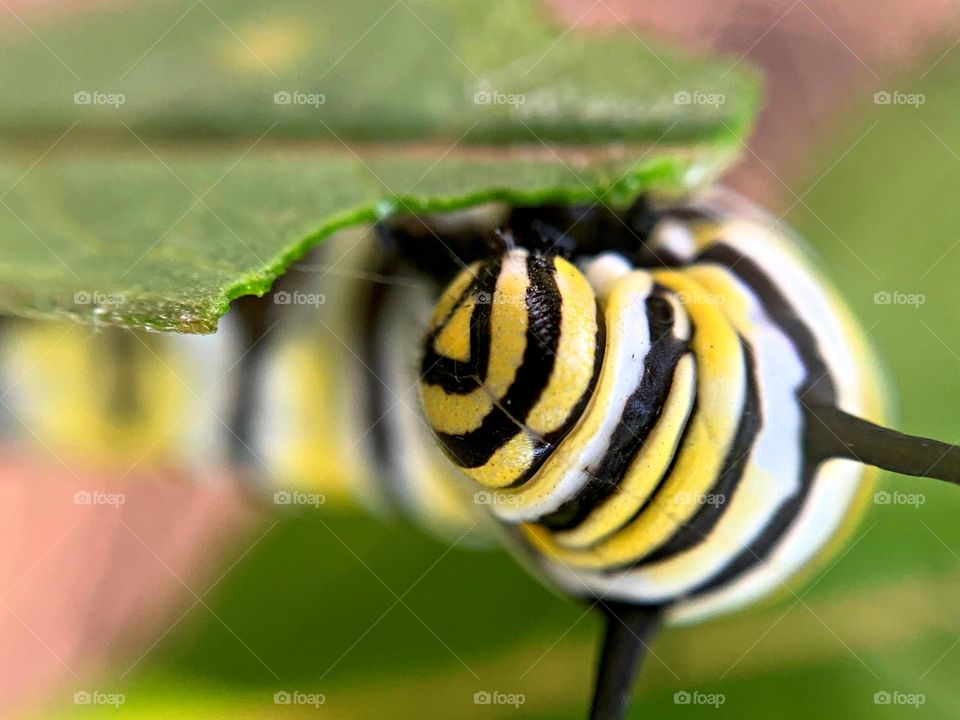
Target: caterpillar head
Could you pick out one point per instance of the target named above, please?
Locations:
(510, 360)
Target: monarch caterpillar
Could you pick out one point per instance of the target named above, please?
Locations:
(660, 407)
(665, 417)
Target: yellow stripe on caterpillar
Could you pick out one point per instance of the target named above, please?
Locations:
(646, 469)
(628, 289)
(721, 392)
(461, 413)
(576, 351)
(453, 341)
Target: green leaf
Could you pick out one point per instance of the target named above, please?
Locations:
(158, 161)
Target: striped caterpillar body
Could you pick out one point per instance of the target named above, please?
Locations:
(642, 428)
(665, 410)
(670, 422)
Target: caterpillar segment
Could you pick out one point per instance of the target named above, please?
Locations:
(112, 401)
(344, 417)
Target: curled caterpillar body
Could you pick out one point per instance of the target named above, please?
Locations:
(678, 466)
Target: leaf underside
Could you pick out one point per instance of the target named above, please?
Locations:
(159, 161)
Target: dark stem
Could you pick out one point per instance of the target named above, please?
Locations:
(629, 629)
(835, 434)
